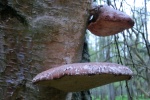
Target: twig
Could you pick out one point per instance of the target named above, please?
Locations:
(131, 98)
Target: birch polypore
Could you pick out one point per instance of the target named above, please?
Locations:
(82, 76)
(107, 21)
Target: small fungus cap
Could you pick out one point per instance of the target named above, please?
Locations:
(108, 21)
(82, 76)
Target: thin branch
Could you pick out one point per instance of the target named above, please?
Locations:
(131, 98)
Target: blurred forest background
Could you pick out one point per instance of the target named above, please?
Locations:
(130, 47)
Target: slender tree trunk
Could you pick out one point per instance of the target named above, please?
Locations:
(54, 37)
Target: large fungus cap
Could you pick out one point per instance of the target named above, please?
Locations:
(108, 21)
(82, 76)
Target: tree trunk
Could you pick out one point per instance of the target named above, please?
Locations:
(54, 37)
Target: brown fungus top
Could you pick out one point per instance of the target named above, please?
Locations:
(82, 76)
(108, 21)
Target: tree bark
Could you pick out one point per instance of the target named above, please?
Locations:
(54, 37)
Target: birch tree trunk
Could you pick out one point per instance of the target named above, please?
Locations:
(54, 37)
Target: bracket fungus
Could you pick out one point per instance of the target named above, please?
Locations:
(107, 21)
(82, 76)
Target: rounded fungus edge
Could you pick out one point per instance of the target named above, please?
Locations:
(82, 76)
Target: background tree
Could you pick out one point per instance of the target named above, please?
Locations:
(130, 48)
